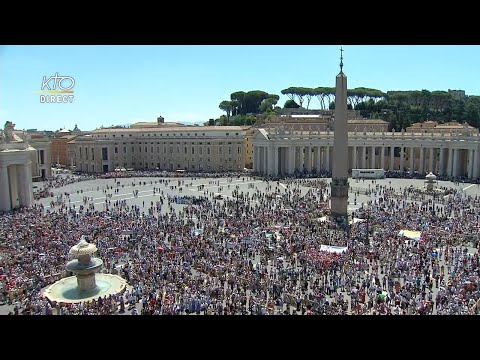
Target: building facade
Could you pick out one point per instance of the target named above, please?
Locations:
(445, 149)
(41, 159)
(15, 170)
(171, 148)
(249, 134)
(59, 149)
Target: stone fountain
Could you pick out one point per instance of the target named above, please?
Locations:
(430, 180)
(84, 266)
(86, 284)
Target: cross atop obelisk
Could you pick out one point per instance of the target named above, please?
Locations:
(341, 59)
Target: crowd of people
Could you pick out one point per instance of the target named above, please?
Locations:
(255, 252)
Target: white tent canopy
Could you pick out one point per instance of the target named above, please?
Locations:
(333, 249)
(409, 234)
(356, 220)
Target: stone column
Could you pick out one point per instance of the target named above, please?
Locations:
(382, 158)
(441, 162)
(275, 160)
(291, 159)
(430, 160)
(15, 189)
(421, 167)
(265, 161)
(456, 152)
(450, 162)
(24, 176)
(255, 159)
(4, 189)
(354, 158)
(308, 159)
(271, 159)
(364, 157)
(470, 164)
(258, 158)
(412, 160)
(402, 158)
(302, 158)
(316, 160)
(475, 164)
(392, 158)
(327, 160)
(319, 158)
(372, 157)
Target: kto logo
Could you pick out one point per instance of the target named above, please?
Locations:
(56, 88)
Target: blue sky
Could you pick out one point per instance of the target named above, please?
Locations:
(124, 84)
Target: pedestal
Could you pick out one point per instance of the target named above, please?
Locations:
(86, 282)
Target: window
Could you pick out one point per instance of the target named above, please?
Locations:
(124, 149)
(105, 153)
(193, 150)
(200, 151)
(93, 154)
(139, 149)
(146, 149)
(116, 150)
(227, 134)
(208, 150)
(133, 149)
(185, 149)
(238, 150)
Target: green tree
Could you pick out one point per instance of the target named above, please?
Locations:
(472, 114)
(291, 104)
(227, 107)
(267, 104)
(239, 98)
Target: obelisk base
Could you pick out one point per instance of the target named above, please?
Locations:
(339, 201)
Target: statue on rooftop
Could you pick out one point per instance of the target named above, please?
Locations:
(8, 131)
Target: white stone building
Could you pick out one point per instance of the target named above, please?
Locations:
(15, 170)
(163, 147)
(450, 149)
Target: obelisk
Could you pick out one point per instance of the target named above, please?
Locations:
(339, 196)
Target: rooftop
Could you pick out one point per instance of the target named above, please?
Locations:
(169, 129)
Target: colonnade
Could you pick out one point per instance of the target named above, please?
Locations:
(15, 186)
(441, 160)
